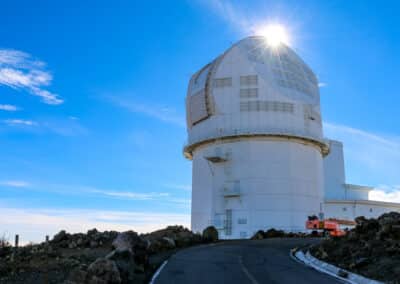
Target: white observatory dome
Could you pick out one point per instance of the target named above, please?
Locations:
(254, 89)
(255, 138)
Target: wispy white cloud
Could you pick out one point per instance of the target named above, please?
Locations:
(162, 113)
(64, 127)
(8, 107)
(33, 224)
(20, 71)
(164, 197)
(14, 183)
(93, 192)
(370, 157)
(231, 14)
(24, 122)
(245, 21)
(68, 127)
(322, 84)
(131, 195)
(385, 193)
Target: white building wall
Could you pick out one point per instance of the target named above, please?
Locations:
(202, 194)
(280, 184)
(357, 192)
(334, 173)
(350, 209)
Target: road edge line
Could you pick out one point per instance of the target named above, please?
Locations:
(308, 260)
(158, 271)
(247, 272)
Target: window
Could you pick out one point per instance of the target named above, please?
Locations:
(228, 222)
(249, 80)
(370, 209)
(344, 209)
(243, 235)
(249, 93)
(223, 82)
(242, 221)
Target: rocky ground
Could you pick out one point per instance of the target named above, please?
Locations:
(371, 249)
(273, 233)
(96, 257)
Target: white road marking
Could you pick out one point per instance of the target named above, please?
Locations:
(247, 272)
(158, 272)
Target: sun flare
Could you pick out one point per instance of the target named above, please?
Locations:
(274, 34)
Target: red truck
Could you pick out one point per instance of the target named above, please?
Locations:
(329, 226)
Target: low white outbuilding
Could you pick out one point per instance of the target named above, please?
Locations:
(255, 136)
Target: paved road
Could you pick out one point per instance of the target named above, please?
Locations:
(252, 262)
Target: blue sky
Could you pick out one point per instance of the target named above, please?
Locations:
(92, 119)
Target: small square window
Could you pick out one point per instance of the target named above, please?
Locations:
(249, 80)
(242, 221)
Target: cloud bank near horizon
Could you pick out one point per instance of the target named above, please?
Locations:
(33, 224)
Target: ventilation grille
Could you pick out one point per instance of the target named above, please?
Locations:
(250, 80)
(223, 82)
(266, 106)
(249, 93)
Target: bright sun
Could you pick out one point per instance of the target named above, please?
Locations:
(275, 35)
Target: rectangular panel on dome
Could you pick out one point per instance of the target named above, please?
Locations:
(249, 93)
(311, 114)
(266, 106)
(249, 80)
(223, 82)
(197, 107)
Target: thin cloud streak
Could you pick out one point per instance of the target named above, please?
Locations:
(227, 11)
(368, 156)
(18, 70)
(93, 192)
(8, 108)
(131, 195)
(164, 114)
(240, 20)
(64, 127)
(24, 122)
(14, 183)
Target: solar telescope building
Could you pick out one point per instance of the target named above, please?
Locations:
(255, 137)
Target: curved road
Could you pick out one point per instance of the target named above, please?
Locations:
(253, 262)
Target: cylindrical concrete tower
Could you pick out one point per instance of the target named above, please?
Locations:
(255, 138)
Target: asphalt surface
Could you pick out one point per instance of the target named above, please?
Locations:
(253, 262)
